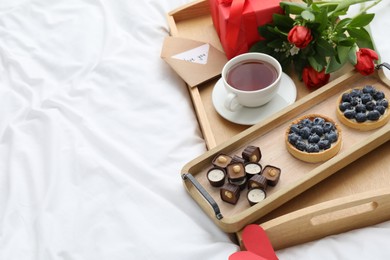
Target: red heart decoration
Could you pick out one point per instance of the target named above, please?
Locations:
(256, 241)
(245, 255)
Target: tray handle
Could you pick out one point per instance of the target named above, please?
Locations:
(328, 218)
(384, 64)
(204, 193)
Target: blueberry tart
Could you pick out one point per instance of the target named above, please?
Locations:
(363, 109)
(313, 138)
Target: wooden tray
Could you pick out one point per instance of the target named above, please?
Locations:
(297, 176)
(193, 21)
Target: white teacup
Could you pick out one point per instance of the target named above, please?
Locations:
(251, 80)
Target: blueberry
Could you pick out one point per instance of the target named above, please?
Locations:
(360, 117)
(306, 122)
(346, 97)
(360, 108)
(383, 102)
(356, 92)
(379, 95)
(324, 144)
(293, 138)
(328, 126)
(373, 115)
(370, 105)
(365, 98)
(344, 106)
(314, 138)
(331, 136)
(305, 132)
(380, 109)
(317, 129)
(313, 148)
(349, 113)
(318, 121)
(301, 145)
(369, 89)
(354, 101)
(294, 129)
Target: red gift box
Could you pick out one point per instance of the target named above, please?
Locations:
(236, 22)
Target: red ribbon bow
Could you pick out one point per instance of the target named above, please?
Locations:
(234, 23)
(226, 2)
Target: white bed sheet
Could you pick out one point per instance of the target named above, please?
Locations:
(94, 130)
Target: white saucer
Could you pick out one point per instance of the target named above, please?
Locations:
(286, 95)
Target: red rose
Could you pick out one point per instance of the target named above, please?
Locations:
(313, 78)
(300, 36)
(365, 61)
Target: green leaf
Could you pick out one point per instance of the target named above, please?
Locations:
(293, 8)
(359, 33)
(347, 42)
(343, 23)
(267, 32)
(361, 20)
(342, 53)
(283, 21)
(275, 44)
(352, 55)
(337, 61)
(345, 4)
(363, 38)
(308, 16)
(322, 20)
(324, 47)
(313, 62)
(261, 46)
(333, 65)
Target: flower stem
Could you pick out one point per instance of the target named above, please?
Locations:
(366, 8)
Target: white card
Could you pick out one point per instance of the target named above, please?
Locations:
(196, 55)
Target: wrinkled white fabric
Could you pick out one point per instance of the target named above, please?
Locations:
(94, 130)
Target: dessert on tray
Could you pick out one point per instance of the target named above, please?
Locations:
(313, 138)
(363, 109)
(233, 174)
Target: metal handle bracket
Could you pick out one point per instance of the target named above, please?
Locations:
(205, 194)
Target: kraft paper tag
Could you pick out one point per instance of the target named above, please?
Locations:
(194, 61)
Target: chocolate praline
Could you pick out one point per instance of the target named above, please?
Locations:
(256, 195)
(216, 176)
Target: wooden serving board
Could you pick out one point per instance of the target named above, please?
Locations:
(327, 218)
(354, 171)
(297, 176)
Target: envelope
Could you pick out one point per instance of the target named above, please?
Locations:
(194, 61)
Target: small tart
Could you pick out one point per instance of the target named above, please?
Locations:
(366, 124)
(326, 146)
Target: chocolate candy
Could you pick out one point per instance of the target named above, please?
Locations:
(257, 181)
(256, 195)
(237, 158)
(251, 153)
(221, 160)
(252, 168)
(216, 176)
(230, 193)
(272, 174)
(236, 171)
(240, 183)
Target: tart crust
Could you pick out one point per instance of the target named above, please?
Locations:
(322, 155)
(364, 126)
